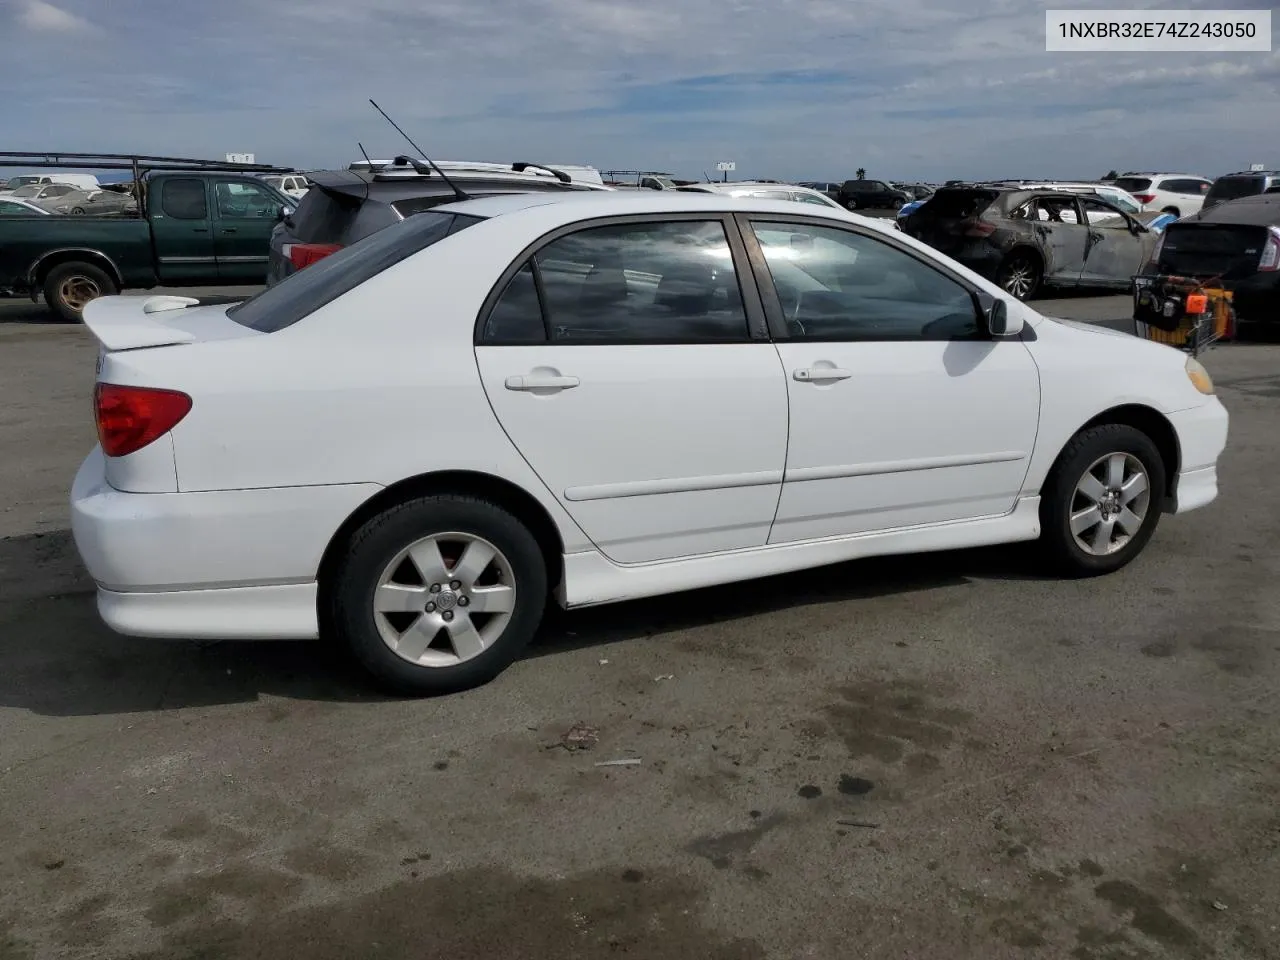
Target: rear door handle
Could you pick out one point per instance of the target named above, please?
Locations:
(228, 229)
(541, 382)
(821, 374)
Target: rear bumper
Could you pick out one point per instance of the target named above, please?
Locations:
(225, 564)
(1202, 436)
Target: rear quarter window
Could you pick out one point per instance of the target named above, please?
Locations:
(306, 291)
(323, 217)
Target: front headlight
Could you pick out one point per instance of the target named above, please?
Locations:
(1199, 376)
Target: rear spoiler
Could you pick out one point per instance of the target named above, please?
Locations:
(124, 323)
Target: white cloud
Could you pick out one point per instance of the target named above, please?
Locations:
(928, 88)
(45, 17)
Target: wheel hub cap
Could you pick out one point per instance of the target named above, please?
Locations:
(446, 600)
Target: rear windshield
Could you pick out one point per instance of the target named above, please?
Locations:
(960, 203)
(1228, 188)
(1133, 184)
(302, 293)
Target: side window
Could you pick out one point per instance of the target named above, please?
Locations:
(184, 199)
(1100, 215)
(835, 284)
(244, 201)
(1053, 210)
(670, 282)
(517, 316)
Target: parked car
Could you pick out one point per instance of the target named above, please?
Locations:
(11, 207)
(293, 184)
(914, 191)
(41, 193)
(1238, 242)
(1027, 239)
(1177, 193)
(81, 181)
(92, 203)
(828, 187)
(1232, 186)
(870, 195)
(417, 443)
(771, 190)
(199, 227)
(344, 206)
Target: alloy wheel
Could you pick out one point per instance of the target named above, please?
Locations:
(444, 599)
(1110, 504)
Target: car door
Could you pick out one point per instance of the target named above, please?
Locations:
(635, 375)
(182, 228)
(903, 410)
(1062, 236)
(1118, 246)
(246, 213)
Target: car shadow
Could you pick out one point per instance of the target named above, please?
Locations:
(57, 658)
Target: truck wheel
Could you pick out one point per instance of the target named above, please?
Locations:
(70, 286)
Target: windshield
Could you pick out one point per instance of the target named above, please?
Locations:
(16, 182)
(31, 190)
(306, 291)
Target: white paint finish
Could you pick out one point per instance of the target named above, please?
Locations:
(175, 541)
(661, 450)
(920, 432)
(276, 612)
(670, 451)
(149, 470)
(592, 580)
(1085, 371)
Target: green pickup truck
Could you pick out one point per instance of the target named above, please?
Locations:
(201, 227)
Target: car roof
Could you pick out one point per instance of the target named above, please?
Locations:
(1260, 209)
(573, 206)
(364, 185)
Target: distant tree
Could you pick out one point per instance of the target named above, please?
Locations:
(1111, 176)
(861, 173)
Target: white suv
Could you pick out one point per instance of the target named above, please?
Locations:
(1181, 194)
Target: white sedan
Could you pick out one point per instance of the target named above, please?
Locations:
(413, 444)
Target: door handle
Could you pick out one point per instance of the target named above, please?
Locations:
(228, 229)
(199, 229)
(820, 374)
(541, 382)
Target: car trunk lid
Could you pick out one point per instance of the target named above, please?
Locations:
(1202, 250)
(139, 323)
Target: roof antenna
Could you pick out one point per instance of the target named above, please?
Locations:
(365, 155)
(452, 186)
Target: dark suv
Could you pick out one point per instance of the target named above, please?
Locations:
(870, 195)
(1233, 186)
(344, 206)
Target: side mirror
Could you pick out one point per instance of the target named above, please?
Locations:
(285, 213)
(1000, 323)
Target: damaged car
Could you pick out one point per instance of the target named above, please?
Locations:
(1236, 243)
(1027, 240)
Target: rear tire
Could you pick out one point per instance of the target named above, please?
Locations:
(1102, 501)
(69, 287)
(1020, 275)
(403, 597)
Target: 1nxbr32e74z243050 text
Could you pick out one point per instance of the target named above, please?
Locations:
(1168, 31)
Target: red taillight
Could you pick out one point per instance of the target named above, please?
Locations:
(978, 228)
(129, 418)
(304, 254)
(1270, 259)
(1144, 198)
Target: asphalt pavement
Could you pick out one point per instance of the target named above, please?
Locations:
(946, 756)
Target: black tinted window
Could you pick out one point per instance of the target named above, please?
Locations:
(184, 200)
(306, 291)
(835, 284)
(1228, 188)
(517, 316)
(1133, 184)
(1192, 187)
(643, 282)
(322, 217)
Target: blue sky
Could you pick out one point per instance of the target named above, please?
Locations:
(792, 89)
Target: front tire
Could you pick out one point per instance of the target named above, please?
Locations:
(70, 287)
(1102, 501)
(439, 594)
